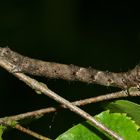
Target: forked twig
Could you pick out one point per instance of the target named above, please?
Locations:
(39, 87)
(40, 112)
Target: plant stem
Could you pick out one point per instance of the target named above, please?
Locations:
(39, 87)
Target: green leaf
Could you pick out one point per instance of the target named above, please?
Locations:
(119, 123)
(80, 132)
(2, 128)
(124, 106)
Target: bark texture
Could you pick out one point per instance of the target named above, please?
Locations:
(32, 66)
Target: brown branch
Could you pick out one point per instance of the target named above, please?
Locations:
(11, 122)
(70, 72)
(39, 87)
(30, 132)
(40, 112)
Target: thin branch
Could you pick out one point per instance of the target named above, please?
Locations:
(133, 91)
(40, 112)
(11, 122)
(39, 87)
(28, 65)
(30, 132)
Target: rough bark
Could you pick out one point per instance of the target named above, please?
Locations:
(31, 66)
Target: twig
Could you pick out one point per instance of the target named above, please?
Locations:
(40, 112)
(11, 122)
(133, 91)
(28, 65)
(30, 132)
(39, 87)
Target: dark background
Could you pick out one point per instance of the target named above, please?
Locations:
(101, 34)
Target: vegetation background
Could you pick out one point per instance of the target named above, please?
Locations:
(101, 34)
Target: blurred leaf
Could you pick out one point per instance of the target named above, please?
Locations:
(119, 123)
(124, 106)
(2, 128)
